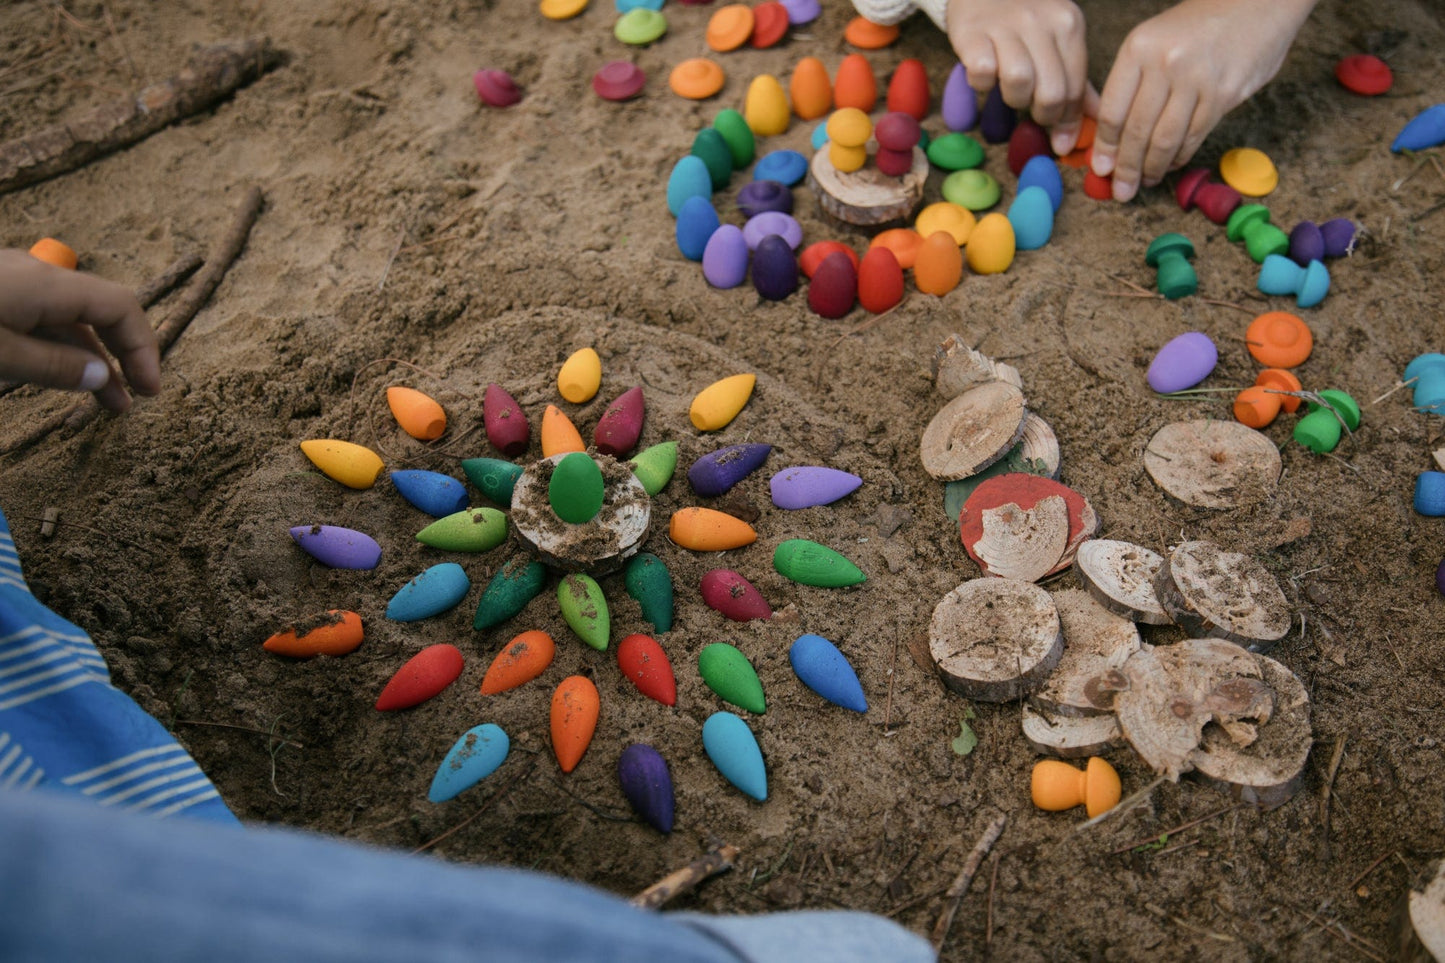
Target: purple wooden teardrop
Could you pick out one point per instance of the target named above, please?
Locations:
(621, 424)
(718, 471)
(805, 486)
(647, 784)
(338, 547)
(997, 120)
(960, 103)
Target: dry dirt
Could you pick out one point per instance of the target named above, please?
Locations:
(406, 221)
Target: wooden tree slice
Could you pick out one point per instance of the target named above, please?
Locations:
(1120, 575)
(1269, 770)
(1071, 737)
(995, 639)
(1213, 464)
(973, 431)
(1036, 453)
(1096, 641)
(957, 367)
(598, 546)
(1169, 693)
(1422, 924)
(867, 197)
(1012, 503)
(1439, 455)
(1222, 595)
(1022, 543)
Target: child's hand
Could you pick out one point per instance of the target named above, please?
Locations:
(1033, 50)
(1178, 74)
(53, 322)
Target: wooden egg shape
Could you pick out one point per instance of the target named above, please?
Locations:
(708, 530)
(880, 280)
(417, 413)
(814, 254)
(1027, 141)
(689, 178)
(58, 253)
(523, 659)
(338, 547)
(908, 89)
(775, 268)
(575, 709)
(334, 633)
(822, 668)
(997, 119)
(474, 757)
(810, 89)
(469, 530)
(991, 245)
(904, 242)
(648, 581)
(434, 591)
(834, 287)
(855, 85)
(809, 563)
(729, 673)
(580, 376)
(506, 425)
(493, 477)
(1032, 217)
(424, 675)
(1183, 362)
(515, 584)
(959, 104)
(559, 435)
(696, 223)
(1043, 172)
(733, 749)
(355, 466)
(736, 133)
(643, 661)
(654, 466)
(1056, 786)
(709, 145)
(647, 784)
(718, 471)
(576, 488)
(766, 106)
(584, 609)
(807, 486)
(725, 259)
(432, 492)
(728, 593)
(620, 426)
(720, 402)
(939, 267)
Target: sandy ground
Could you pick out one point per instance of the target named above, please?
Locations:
(413, 236)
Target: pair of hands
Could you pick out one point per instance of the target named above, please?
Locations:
(1175, 76)
(55, 327)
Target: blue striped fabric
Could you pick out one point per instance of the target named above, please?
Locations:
(64, 727)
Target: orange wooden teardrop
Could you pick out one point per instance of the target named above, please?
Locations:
(575, 708)
(559, 435)
(525, 657)
(706, 530)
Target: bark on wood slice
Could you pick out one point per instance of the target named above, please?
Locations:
(1165, 696)
(598, 546)
(867, 197)
(1036, 453)
(973, 431)
(1012, 506)
(1268, 771)
(995, 639)
(1096, 641)
(1421, 927)
(957, 367)
(1071, 737)
(1216, 594)
(1120, 575)
(1213, 464)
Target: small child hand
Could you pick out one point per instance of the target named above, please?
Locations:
(1178, 74)
(55, 325)
(1033, 50)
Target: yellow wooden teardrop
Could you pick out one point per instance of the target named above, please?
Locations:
(355, 466)
(580, 377)
(719, 403)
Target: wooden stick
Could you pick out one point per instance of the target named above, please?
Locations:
(232, 725)
(518, 777)
(161, 285)
(1325, 792)
(680, 881)
(954, 896)
(213, 73)
(1177, 829)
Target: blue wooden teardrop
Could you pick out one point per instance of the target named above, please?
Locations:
(474, 757)
(827, 672)
(730, 745)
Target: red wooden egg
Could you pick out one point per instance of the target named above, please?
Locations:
(507, 427)
(735, 597)
(880, 280)
(1099, 188)
(1364, 74)
(908, 90)
(424, 675)
(1028, 140)
(814, 254)
(643, 661)
(834, 286)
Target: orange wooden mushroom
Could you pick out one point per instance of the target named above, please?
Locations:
(1057, 786)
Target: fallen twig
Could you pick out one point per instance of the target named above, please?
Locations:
(1327, 789)
(1354, 883)
(231, 725)
(518, 777)
(680, 881)
(1177, 829)
(954, 896)
(161, 285)
(213, 73)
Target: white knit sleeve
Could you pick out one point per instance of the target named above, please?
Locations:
(894, 11)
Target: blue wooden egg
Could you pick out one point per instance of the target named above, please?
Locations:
(338, 547)
(730, 744)
(1043, 171)
(476, 755)
(1032, 217)
(827, 672)
(725, 259)
(1430, 493)
(1426, 130)
(689, 178)
(696, 223)
(432, 592)
(820, 136)
(434, 493)
(775, 268)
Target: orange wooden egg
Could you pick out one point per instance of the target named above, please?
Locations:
(559, 435)
(575, 708)
(1279, 339)
(1281, 380)
(908, 90)
(1057, 786)
(855, 85)
(418, 414)
(904, 242)
(939, 266)
(1256, 406)
(880, 280)
(525, 657)
(814, 254)
(864, 33)
(708, 530)
(810, 89)
(51, 251)
(335, 633)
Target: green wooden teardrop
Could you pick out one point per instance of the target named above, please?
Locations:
(493, 477)
(469, 530)
(576, 488)
(729, 673)
(584, 608)
(812, 564)
(515, 584)
(654, 466)
(649, 582)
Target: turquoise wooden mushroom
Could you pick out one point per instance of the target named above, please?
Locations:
(1282, 276)
(1170, 255)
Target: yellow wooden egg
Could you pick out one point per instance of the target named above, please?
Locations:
(766, 108)
(847, 159)
(946, 216)
(1249, 171)
(580, 377)
(991, 245)
(559, 435)
(849, 127)
(417, 412)
(561, 9)
(355, 466)
(720, 402)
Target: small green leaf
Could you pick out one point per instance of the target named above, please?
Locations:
(964, 743)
